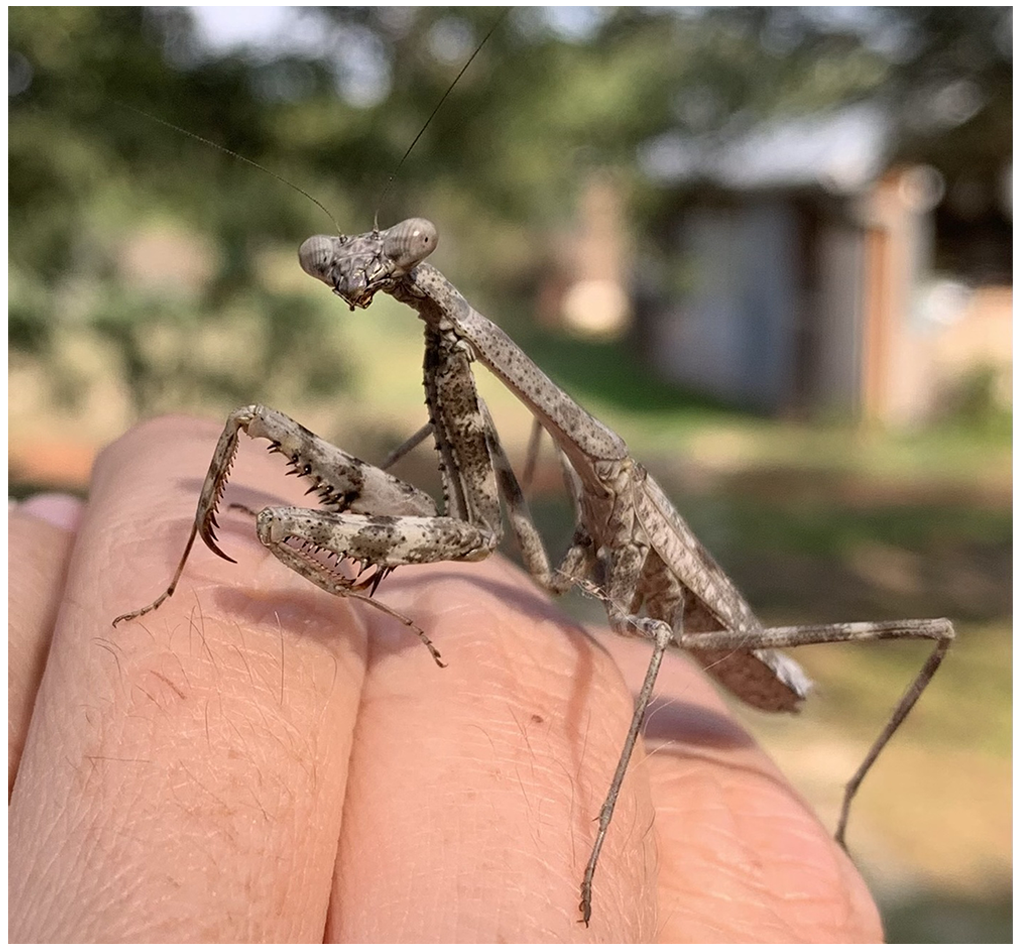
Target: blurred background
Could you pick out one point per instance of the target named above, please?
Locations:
(771, 247)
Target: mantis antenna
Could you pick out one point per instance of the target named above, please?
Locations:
(233, 154)
(439, 105)
(290, 184)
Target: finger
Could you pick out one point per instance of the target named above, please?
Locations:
(184, 775)
(474, 789)
(40, 535)
(744, 860)
(742, 857)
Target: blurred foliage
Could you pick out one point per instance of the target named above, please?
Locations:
(552, 94)
(974, 404)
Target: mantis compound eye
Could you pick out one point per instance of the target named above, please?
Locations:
(407, 244)
(316, 254)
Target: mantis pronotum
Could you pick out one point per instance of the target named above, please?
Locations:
(658, 581)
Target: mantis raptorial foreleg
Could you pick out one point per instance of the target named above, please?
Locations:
(371, 518)
(657, 579)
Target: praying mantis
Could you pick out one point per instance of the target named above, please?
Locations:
(630, 545)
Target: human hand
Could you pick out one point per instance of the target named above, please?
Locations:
(259, 761)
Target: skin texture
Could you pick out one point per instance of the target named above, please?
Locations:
(259, 761)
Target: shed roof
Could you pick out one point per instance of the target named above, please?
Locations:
(842, 152)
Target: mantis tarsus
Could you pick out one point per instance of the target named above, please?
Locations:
(656, 579)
